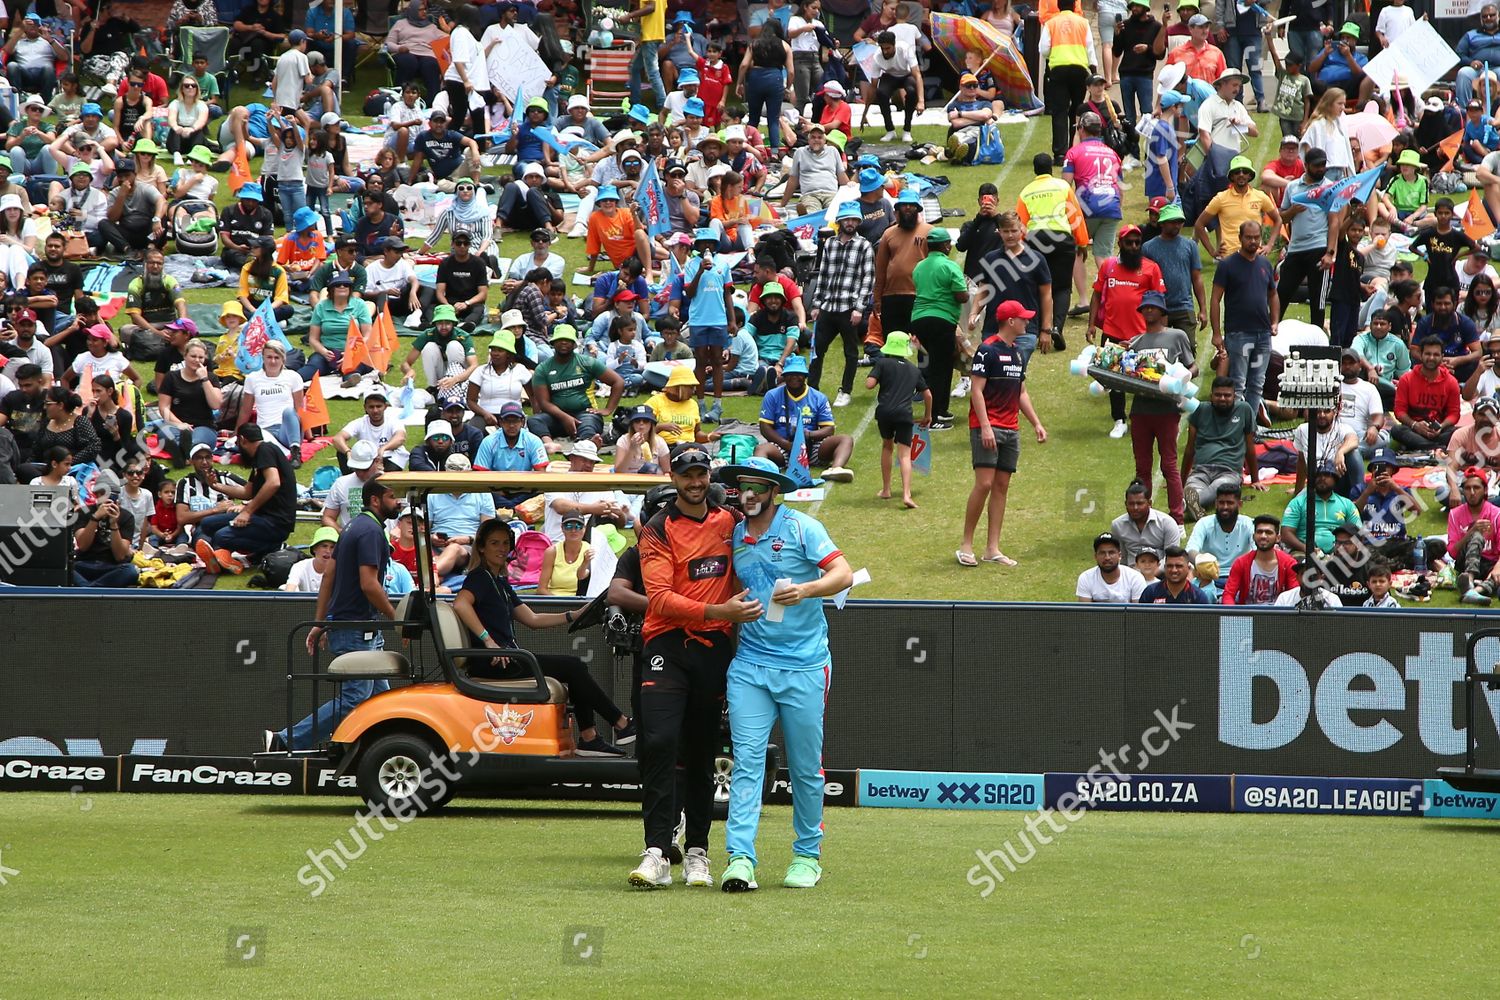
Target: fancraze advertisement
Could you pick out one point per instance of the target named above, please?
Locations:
(1123, 689)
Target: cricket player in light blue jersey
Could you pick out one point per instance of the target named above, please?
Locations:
(781, 668)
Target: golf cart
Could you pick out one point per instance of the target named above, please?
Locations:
(1470, 778)
(439, 727)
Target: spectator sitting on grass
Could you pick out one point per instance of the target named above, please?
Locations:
(1474, 541)
(446, 352)
(1384, 508)
(641, 449)
(306, 576)
(231, 541)
(1345, 566)
(1142, 526)
(105, 550)
(1107, 582)
(1427, 401)
(1330, 508)
(670, 347)
(793, 401)
(433, 453)
(514, 448)
(1148, 564)
(456, 518)
(194, 498)
(378, 429)
(1176, 585)
(1227, 535)
(560, 393)
(678, 414)
(1477, 445)
(338, 506)
(1378, 576)
(603, 506)
(1337, 445)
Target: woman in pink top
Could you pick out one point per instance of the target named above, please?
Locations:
(410, 45)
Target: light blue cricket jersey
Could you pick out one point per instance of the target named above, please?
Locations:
(794, 547)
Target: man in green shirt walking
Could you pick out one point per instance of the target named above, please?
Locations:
(941, 294)
(560, 393)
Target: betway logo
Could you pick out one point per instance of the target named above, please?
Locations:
(1459, 800)
(207, 774)
(1435, 671)
(896, 792)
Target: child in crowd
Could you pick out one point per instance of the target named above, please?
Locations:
(319, 170)
(1206, 569)
(307, 576)
(899, 380)
(1407, 192)
(642, 449)
(1148, 564)
(678, 414)
(192, 179)
(626, 356)
(136, 499)
(165, 530)
(1293, 103)
(1378, 579)
(670, 347)
(1379, 253)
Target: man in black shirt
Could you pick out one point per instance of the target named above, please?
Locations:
(104, 552)
(376, 224)
(463, 282)
(1140, 42)
(259, 30)
(64, 278)
(269, 514)
(242, 224)
(22, 412)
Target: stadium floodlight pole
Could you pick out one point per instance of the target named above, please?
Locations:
(1310, 381)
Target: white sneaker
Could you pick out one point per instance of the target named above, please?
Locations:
(842, 399)
(1130, 163)
(695, 867)
(654, 871)
(578, 232)
(1118, 430)
(906, 137)
(962, 389)
(177, 159)
(888, 137)
(839, 474)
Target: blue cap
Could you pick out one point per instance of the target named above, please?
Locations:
(296, 36)
(1152, 298)
(1382, 456)
(682, 17)
(1172, 98)
(850, 210)
(694, 106)
(251, 192)
(304, 218)
(1326, 467)
(607, 192)
(795, 365)
(640, 113)
(90, 108)
(701, 235)
(909, 197)
(687, 76)
(870, 179)
(34, 16)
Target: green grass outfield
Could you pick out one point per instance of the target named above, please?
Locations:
(134, 895)
(1066, 491)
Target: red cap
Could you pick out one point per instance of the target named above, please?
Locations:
(1157, 204)
(26, 314)
(625, 295)
(1127, 231)
(1011, 309)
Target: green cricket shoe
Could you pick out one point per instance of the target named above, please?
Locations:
(803, 873)
(739, 876)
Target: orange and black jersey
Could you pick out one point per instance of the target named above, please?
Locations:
(687, 565)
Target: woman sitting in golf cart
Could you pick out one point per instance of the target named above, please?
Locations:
(489, 608)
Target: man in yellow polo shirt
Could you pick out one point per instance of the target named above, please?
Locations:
(1237, 204)
(1067, 48)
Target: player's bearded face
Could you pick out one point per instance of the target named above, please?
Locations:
(752, 503)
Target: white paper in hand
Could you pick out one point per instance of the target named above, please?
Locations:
(861, 575)
(775, 612)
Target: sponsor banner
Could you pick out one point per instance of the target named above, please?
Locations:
(945, 790)
(324, 779)
(59, 774)
(218, 775)
(1348, 796)
(1142, 792)
(584, 791)
(840, 788)
(1443, 800)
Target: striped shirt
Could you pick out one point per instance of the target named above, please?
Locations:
(846, 275)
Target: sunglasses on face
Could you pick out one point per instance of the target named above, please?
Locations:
(137, 83)
(759, 489)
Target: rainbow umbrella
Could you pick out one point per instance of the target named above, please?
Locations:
(955, 35)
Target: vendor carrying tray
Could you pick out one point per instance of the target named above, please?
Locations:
(1129, 383)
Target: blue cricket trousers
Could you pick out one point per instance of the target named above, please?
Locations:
(758, 697)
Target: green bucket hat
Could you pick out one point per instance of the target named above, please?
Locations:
(1351, 29)
(503, 341)
(897, 345)
(1241, 163)
(1410, 156)
(324, 534)
(444, 312)
(564, 331)
(1172, 213)
(146, 146)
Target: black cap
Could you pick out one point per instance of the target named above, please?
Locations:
(675, 167)
(1106, 538)
(462, 236)
(1346, 528)
(690, 457)
(346, 243)
(124, 163)
(543, 234)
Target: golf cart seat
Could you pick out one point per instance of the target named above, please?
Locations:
(452, 635)
(370, 663)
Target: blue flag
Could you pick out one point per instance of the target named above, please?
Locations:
(805, 227)
(517, 115)
(651, 196)
(260, 328)
(404, 396)
(1332, 195)
(799, 463)
(548, 135)
(921, 450)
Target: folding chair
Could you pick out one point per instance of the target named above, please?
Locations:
(211, 42)
(609, 76)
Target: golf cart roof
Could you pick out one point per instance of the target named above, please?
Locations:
(404, 483)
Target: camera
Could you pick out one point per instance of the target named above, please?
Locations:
(623, 631)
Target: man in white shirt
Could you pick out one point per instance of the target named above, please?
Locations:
(293, 73)
(392, 280)
(603, 506)
(897, 71)
(1338, 445)
(1311, 593)
(347, 493)
(1223, 121)
(1108, 582)
(1361, 409)
(376, 427)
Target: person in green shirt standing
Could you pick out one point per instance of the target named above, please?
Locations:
(941, 294)
(560, 393)
(1330, 510)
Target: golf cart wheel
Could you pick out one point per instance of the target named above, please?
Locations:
(396, 773)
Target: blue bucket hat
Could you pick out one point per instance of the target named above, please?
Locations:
(868, 160)
(640, 113)
(756, 467)
(705, 235)
(90, 108)
(795, 365)
(304, 218)
(849, 210)
(606, 193)
(870, 179)
(1156, 299)
(909, 197)
(682, 17)
(251, 192)
(686, 77)
(694, 106)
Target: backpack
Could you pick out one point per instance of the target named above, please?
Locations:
(735, 448)
(323, 480)
(781, 246)
(145, 345)
(276, 569)
(377, 100)
(525, 567)
(976, 144)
